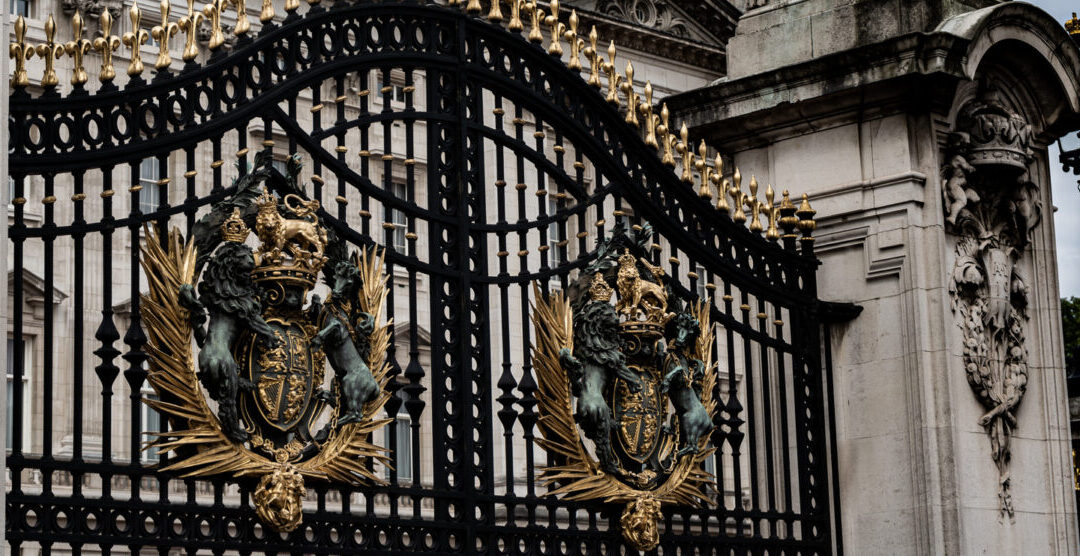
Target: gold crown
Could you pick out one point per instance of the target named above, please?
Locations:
(285, 273)
(599, 290)
(234, 229)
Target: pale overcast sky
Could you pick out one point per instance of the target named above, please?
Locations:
(1066, 196)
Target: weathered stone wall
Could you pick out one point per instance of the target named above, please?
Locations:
(855, 104)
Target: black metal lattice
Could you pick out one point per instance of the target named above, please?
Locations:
(501, 149)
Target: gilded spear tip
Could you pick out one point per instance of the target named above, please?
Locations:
(806, 217)
(20, 51)
(495, 13)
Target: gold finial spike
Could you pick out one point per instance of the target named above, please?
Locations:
(266, 14)
(772, 233)
(189, 24)
(754, 205)
(50, 51)
(593, 54)
(806, 217)
(473, 7)
(705, 192)
(535, 14)
(293, 5)
(613, 76)
(739, 216)
(576, 43)
(162, 34)
(721, 197)
(687, 153)
(134, 40)
(495, 13)
(631, 96)
(20, 52)
(515, 16)
(737, 197)
(212, 12)
(243, 24)
(649, 117)
(666, 138)
(788, 220)
(557, 29)
(106, 44)
(717, 178)
(77, 48)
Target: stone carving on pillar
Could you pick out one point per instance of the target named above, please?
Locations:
(992, 206)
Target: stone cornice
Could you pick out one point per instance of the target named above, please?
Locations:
(732, 110)
(912, 68)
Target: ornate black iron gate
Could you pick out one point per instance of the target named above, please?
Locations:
(483, 165)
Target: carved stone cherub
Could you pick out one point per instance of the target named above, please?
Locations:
(957, 192)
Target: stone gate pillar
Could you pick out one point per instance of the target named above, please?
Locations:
(921, 131)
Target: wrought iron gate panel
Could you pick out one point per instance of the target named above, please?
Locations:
(507, 167)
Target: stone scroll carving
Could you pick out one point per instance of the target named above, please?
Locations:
(654, 14)
(992, 206)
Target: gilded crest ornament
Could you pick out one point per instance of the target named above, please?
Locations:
(263, 348)
(639, 372)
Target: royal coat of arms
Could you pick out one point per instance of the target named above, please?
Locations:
(626, 389)
(255, 401)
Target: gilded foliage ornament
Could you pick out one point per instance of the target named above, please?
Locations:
(641, 376)
(263, 348)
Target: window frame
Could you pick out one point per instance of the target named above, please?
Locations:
(150, 194)
(403, 423)
(398, 98)
(150, 455)
(700, 285)
(28, 398)
(14, 14)
(399, 188)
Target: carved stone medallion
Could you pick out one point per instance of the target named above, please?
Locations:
(640, 375)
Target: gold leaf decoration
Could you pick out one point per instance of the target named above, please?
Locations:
(195, 433)
(577, 475)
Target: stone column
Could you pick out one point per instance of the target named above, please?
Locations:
(921, 132)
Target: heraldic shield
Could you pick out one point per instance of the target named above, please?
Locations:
(254, 401)
(626, 400)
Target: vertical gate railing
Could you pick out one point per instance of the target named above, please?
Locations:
(488, 166)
